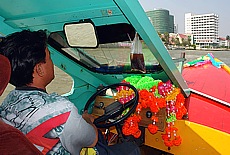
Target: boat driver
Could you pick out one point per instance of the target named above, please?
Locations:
(50, 121)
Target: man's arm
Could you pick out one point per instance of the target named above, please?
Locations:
(90, 119)
(79, 131)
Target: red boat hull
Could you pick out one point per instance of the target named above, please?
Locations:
(209, 101)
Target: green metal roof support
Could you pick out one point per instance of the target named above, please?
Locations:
(137, 17)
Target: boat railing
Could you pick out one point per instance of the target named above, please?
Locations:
(181, 61)
(210, 97)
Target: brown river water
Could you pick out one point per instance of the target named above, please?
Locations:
(63, 83)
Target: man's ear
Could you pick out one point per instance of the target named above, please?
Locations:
(39, 69)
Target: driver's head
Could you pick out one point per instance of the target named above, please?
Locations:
(29, 58)
(5, 71)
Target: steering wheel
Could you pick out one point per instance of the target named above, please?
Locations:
(115, 109)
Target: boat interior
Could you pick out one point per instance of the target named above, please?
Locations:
(92, 41)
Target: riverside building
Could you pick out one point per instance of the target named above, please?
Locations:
(204, 29)
(162, 21)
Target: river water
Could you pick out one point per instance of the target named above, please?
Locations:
(63, 83)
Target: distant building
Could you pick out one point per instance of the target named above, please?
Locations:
(182, 37)
(176, 28)
(173, 37)
(162, 21)
(204, 29)
(224, 42)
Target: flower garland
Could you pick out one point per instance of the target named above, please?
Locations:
(154, 94)
(124, 94)
(131, 127)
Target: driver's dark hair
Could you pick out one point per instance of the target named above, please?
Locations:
(24, 49)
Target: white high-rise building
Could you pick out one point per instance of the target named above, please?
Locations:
(204, 28)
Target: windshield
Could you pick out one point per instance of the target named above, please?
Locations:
(106, 58)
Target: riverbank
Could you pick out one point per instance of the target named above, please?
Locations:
(215, 49)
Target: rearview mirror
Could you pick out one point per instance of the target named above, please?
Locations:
(81, 35)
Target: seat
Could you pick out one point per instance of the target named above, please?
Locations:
(5, 72)
(12, 141)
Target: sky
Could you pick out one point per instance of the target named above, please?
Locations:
(178, 8)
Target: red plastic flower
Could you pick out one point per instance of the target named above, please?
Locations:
(154, 118)
(161, 102)
(177, 141)
(164, 136)
(168, 143)
(137, 134)
(131, 127)
(139, 107)
(152, 128)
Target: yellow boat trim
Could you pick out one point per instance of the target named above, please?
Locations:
(196, 140)
(224, 66)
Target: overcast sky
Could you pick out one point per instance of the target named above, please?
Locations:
(179, 7)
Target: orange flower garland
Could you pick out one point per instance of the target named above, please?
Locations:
(177, 141)
(181, 110)
(175, 110)
(147, 99)
(159, 95)
(168, 136)
(131, 127)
